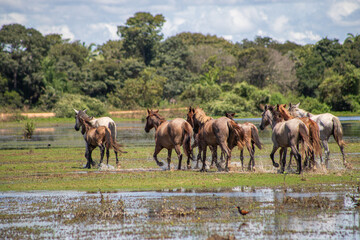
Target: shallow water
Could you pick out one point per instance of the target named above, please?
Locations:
(178, 214)
(129, 133)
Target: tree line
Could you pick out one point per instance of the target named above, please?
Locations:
(144, 70)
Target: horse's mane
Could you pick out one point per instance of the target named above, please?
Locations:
(284, 112)
(158, 116)
(84, 116)
(276, 114)
(201, 116)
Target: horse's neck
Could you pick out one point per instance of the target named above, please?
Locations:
(286, 115)
(158, 123)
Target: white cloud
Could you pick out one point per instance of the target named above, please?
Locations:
(301, 37)
(340, 10)
(280, 24)
(61, 29)
(13, 18)
(109, 28)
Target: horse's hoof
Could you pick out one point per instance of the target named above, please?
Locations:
(160, 164)
(188, 167)
(276, 165)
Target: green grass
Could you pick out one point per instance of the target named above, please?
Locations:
(61, 169)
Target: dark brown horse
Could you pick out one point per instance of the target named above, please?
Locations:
(314, 134)
(98, 137)
(213, 132)
(251, 135)
(169, 135)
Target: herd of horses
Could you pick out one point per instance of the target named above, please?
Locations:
(292, 127)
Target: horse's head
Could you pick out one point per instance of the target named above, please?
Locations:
(151, 120)
(296, 111)
(190, 116)
(267, 116)
(78, 114)
(230, 115)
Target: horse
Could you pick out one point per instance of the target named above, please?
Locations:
(314, 133)
(212, 132)
(285, 134)
(251, 139)
(190, 120)
(95, 122)
(98, 137)
(169, 135)
(328, 125)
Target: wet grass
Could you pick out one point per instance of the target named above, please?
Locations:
(62, 169)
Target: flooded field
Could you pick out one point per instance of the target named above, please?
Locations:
(275, 213)
(130, 133)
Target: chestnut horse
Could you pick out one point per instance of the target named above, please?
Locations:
(212, 132)
(98, 137)
(285, 134)
(314, 133)
(170, 135)
(328, 125)
(251, 139)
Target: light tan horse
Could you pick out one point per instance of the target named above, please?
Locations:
(98, 137)
(314, 133)
(169, 135)
(328, 125)
(285, 134)
(251, 139)
(213, 132)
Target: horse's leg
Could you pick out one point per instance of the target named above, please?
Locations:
(283, 153)
(90, 161)
(178, 152)
(214, 159)
(102, 152)
(169, 158)
(157, 150)
(297, 156)
(251, 153)
(203, 168)
(327, 152)
(343, 155)
(198, 158)
(253, 156)
(108, 155)
(242, 159)
(227, 154)
(275, 164)
(116, 156)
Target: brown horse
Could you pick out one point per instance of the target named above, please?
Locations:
(314, 133)
(285, 134)
(251, 139)
(98, 137)
(170, 135)
(212, 132)
(190, 120)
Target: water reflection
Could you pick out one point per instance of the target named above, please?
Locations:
(130, 133)
(190, 214)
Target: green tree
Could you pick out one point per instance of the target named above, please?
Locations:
(21, 53)
(141, 35)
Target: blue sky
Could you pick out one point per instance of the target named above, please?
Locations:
(96, 21)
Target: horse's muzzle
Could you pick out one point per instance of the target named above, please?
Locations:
(77, 128)
(147, 130)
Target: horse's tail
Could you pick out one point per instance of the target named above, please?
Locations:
(338, 132)
(314, 133)
(112, 127)
(255, 136)
(188, 131)
(239, 133)
(110, 143)
(304, 134)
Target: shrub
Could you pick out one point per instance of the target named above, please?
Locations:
(29, 129)
(64, 107)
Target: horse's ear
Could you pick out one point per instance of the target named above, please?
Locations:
(285, 105)
(277, 107)
(232, 114)
(85, 110)
(76, 111)
(156, 111)
(264, 108)
(148, 111)
(297, 105)
(190, 109)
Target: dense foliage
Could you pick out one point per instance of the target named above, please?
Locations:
(143, 70)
